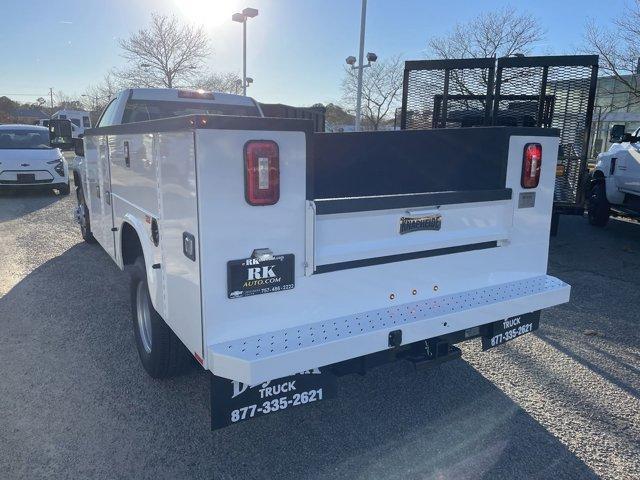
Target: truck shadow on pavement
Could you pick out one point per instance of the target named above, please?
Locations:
(17, 203)
(77, 404)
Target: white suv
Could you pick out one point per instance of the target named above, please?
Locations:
(28, 160)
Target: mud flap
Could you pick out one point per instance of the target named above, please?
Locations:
(233, 402)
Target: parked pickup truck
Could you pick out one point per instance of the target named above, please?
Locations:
(278, 258)
(615, 181)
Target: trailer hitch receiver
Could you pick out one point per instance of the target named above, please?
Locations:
(395, 338)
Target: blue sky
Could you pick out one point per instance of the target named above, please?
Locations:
(296, 48)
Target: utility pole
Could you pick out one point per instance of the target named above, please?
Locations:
(51, 97)
(363, 20)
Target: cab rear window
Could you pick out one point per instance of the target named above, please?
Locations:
(144, 110)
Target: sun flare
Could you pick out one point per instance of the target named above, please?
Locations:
(210, 13)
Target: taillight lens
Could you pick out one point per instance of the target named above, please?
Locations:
(531, 162)
(261, 172)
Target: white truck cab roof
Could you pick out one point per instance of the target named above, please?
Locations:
(186, 95)
(143, 104)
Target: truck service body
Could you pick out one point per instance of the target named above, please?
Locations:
(277, 255)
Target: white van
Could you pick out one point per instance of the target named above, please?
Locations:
(80, 120)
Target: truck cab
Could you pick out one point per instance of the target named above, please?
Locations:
(615, 180)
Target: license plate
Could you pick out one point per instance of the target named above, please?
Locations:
(250, 276)
(415, 224)
(234, 402)
(504, 331)
(26, 177)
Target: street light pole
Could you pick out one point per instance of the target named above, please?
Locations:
(244, 57)
(351, 61)
(246, 14)
(363, 20)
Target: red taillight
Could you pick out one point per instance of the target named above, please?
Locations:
(531, 162)
(261, 172)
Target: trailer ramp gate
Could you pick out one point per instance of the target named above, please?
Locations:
(548, 92)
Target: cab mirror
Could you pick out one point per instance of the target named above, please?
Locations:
(617, 134)
(79, 147)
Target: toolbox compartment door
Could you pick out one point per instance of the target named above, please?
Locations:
(344, 236)
(378, 197)
(180, 237)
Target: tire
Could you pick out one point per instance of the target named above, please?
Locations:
(161, 352)
(598, 208)
(65, 189)
(85, 226)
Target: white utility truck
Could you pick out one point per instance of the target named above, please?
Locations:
(278, 258)
(615, 181)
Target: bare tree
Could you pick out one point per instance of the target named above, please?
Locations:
(98, 95)
(381, 90)
(168, 53)
(228, 82)
(335, 116)
(498, 33)
(619, 49)
(66, 101)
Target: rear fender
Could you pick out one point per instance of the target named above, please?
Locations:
(150, 253)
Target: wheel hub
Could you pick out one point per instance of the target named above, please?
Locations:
(144, 316)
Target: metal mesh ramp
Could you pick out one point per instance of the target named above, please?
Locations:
(549, 92)
(284, 352)
(556, 92)
(447, 93)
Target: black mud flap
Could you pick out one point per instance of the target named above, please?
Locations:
(234, 402)
(503, 331)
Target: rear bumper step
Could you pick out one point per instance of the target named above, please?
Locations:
(284, 352)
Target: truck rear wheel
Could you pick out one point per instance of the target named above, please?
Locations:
(161, 352)
(598, 208)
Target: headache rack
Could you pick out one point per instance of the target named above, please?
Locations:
(547, 92)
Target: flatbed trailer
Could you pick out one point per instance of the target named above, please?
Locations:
(543, 91)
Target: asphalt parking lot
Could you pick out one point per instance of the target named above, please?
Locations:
(563, 402)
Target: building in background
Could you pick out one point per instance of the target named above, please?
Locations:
(615, 104)
(27, 115)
